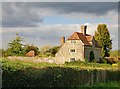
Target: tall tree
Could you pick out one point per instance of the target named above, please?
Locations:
(102, 36)
(15, 47)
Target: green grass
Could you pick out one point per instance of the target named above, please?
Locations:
(21, 64)
(27, 73)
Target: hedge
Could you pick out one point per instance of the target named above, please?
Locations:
(57, 77)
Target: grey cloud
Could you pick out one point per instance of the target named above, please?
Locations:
(98, 8)
(18, 15)
(21, 14)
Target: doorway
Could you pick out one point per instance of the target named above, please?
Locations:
(92, 56)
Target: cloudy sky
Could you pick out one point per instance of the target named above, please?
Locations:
(44, 23)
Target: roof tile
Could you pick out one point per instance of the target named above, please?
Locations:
(79, 36)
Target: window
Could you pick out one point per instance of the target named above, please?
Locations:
(72, 59)
(73, 41)
(72, 50)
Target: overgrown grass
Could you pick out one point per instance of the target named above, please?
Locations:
(21, 64)
(94, 65)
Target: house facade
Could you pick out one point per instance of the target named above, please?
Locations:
(78, 47)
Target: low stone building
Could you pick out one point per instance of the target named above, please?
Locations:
(79, 46)
(31, 53)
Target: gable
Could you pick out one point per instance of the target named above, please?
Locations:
(79, 36)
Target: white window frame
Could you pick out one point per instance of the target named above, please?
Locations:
(71, 58)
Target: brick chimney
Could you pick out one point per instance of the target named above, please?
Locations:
(83, 29)
(62, 41)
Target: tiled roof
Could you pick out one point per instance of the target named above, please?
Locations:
(79, 36)
(86, 39)
(89, 38)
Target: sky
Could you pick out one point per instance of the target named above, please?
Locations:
(44, 23)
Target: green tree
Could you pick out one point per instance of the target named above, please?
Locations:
(28, 48)
(1, 52)
(47, 51)
(114, 53)
(102, 36)
(15, 47)
(54, 50)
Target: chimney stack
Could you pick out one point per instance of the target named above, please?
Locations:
(83, 29)
(62, 40)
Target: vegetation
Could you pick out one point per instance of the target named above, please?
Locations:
(112, 84)
(102, 36)
(18, 73)
(115, 53)
(28, 48)
(47, 51)
(15, 47)
(24, 73)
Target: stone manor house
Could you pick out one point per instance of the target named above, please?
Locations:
(79, 46)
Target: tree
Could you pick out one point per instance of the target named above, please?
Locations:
(47, 51)
(44, 51)
(28, 48)
(45, 48)
(54, 50)
(102, 36)
(2, 53)
(15, 47)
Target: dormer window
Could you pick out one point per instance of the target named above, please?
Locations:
(73, 41)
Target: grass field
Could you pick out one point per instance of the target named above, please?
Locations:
(18, 64)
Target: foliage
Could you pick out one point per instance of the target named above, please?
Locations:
(15, 47)
(54, 50)
(109, 85)
(45, 48)
(115, 53)
(28, 48)
(2, 52)
(103, 60)
(102, 36)
(17, 73)
(44, 51)
(47, 51)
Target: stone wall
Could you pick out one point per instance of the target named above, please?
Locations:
(33, 59)
(96, 50)
(80, 53)
(64, 53)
